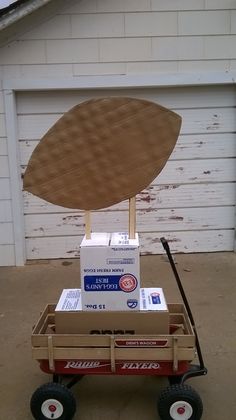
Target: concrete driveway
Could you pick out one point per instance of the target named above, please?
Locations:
(210, 284)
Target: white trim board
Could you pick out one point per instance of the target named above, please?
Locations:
(14, 168)
(122, 81)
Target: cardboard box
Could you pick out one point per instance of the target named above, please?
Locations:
(153, 318)
(110, 272)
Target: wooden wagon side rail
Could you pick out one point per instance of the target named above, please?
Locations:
(88, 353)
(83, 341)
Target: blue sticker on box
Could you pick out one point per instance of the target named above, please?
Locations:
(155, 296)
(126, 283)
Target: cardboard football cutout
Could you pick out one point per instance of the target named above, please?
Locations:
(101, 152)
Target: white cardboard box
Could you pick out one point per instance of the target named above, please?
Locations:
(151, 299)
(153, 318)
(110, 272)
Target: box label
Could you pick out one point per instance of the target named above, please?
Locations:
(126, 283)
(153, 299)
(131, 304)
(70, 300)
(141, 343)
(119, 261)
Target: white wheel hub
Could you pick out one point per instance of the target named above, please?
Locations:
(52, 409)
(181, 410)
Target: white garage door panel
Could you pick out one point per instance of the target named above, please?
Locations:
(213, 120)
(192, 201)
(2, 126)
(4, 167)
(68, 247)
(207, 170)
(185, 171)
(208, 120)
(188, 147)
(59, 102)
(7, 255)
(3, 146)
(5, 189)
(5, 211)
(35, 126)
(156, 196)
(163, 220)
(7, 236)
(204, 146)
(216, 240)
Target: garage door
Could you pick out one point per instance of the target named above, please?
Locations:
(192, 202)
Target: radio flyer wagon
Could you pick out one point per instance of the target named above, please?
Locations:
(68, 357)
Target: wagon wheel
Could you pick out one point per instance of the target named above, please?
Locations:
(174, 379)
(180, 402)
(53, 401)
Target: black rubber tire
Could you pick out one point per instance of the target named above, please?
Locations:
(174, 379)
(179, 392)
(55, 391)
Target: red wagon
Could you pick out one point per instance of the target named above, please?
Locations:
(68, 357)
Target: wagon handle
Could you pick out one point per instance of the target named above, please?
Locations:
(181, 289)
(185, 300)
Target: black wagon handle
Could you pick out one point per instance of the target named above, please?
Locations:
(181, 289)
(166, 247)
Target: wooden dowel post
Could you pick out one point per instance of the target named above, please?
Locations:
(87, 224)
(132, 218)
